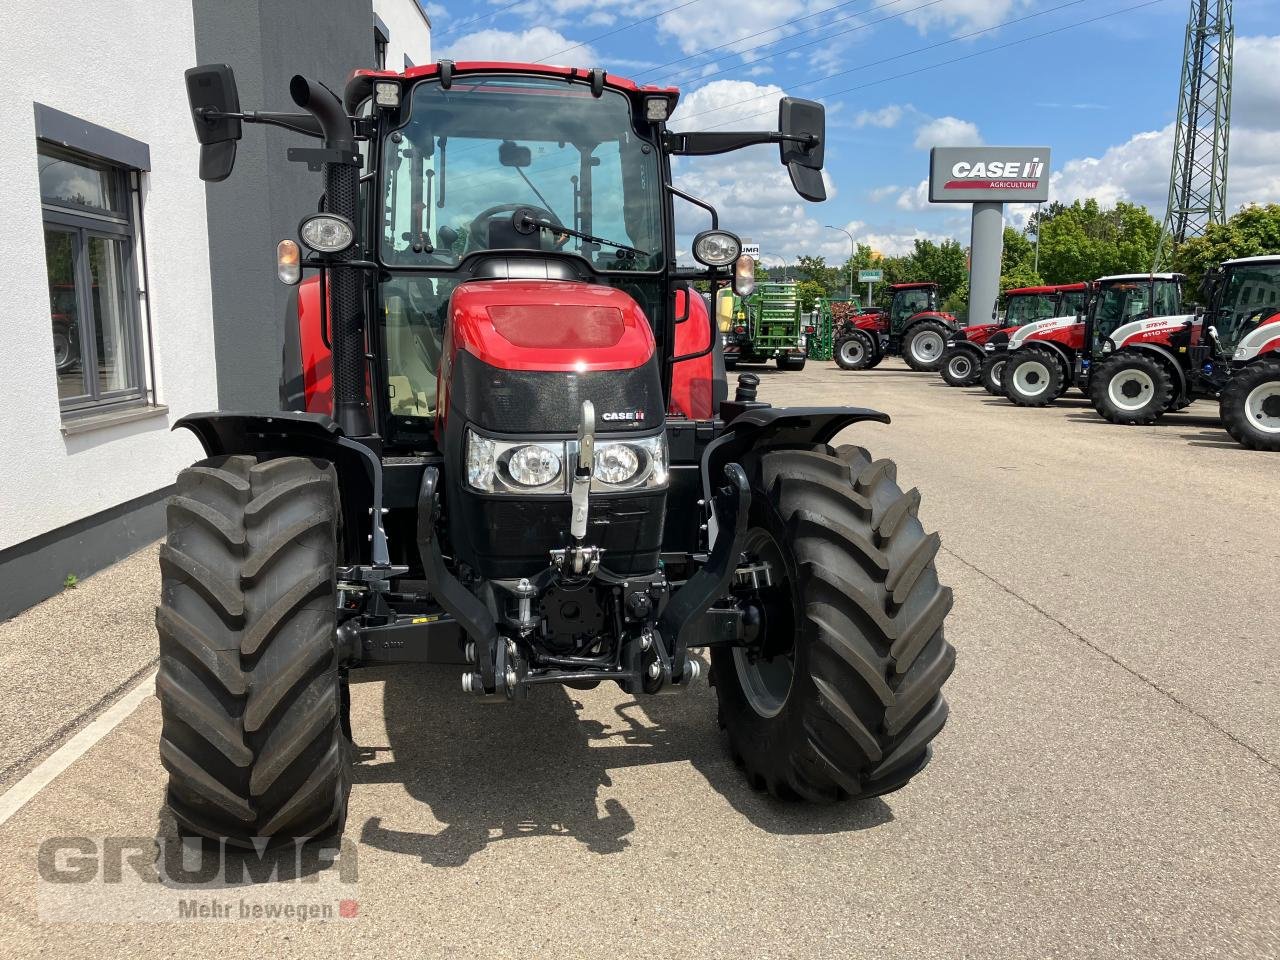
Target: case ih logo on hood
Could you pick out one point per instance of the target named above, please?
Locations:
(996, 175)
(623, 416)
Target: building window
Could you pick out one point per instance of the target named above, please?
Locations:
(89, 244)
(379, 49)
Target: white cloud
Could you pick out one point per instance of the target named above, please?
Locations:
(947, 132)
(961, 16)
(525, 45)
(884, 118)
(750, 23)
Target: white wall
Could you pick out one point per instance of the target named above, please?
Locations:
(410, 32)
(119, 64)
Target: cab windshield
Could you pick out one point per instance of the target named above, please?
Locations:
(1025, 308)
(1252, 295)
(477, 164)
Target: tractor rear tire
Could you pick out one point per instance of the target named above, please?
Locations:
(251, 698)
(1250, 406)
(854, 351)
(992, 368)
(925, 344)
(844, 699)
(961, 366)
(1033, 377)
(1131, 389)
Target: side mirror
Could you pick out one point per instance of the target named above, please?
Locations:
(511, 154)
(805, 119)
(211, 91)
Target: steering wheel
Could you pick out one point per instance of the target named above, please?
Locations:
(476, 240)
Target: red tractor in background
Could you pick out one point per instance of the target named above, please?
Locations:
(1046, 358)
(962, 361)
(913, 328)
(1152, 366)
(518, 458)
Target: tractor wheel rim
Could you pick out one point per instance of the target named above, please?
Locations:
(1262, 407)
(766, 684)
(851, 351)
(1131, 389)
(927, 346)
(61, 349)
(997, 371)
(1031, 379)
(961, 367)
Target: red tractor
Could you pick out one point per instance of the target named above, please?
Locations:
(962, 361)
(1046, 358)
(518, 459)
(1162, 364)
(913, 328)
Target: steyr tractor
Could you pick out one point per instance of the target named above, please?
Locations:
(914, 328)
(1046, 358)
(1154, 366)
(962, 360)
(515, 456)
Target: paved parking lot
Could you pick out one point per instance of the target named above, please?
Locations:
(1108, 785)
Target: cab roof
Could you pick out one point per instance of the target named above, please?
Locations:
(1143, 276)
(466, 67)
(1050, 288)
(1264, 258)
(912, 286)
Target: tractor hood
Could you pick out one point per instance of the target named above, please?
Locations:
(1152, 330)
(549, 325)
(1040, 328)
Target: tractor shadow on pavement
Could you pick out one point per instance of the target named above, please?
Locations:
(491, 772)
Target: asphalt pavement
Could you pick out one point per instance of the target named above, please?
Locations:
(1108, 784)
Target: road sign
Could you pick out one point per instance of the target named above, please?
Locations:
(752, 250)
(870, 276)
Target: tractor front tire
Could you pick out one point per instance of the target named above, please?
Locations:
(961, 366)
(854, 351)
(925, 344)
(1033, 377)
(1250, 406)
(990, 378)
(251, 698)
(1131, 389)
(843, 698)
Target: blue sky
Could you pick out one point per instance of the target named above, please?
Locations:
(1101, 94)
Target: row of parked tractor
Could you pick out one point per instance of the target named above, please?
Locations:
(1129, 343)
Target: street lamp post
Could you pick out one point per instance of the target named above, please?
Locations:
(853, 248)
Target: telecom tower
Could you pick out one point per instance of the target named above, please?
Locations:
(1198, 181)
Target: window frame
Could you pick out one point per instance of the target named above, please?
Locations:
(86, 224)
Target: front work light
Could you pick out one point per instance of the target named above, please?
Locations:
(288, 262)
(656, 109)
(327, 233)
(386, 94)
(716, 248)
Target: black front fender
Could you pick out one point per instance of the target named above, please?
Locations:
(769, 426)
(313, 435)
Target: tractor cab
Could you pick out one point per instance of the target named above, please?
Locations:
(1241, 296)
(1119, 300)
(910, 299)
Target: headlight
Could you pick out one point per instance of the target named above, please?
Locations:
(327, 233)
(1107, 345)
(1242, 353)
(989, 347)
(506, 466)
(716, 248)
(533, 465)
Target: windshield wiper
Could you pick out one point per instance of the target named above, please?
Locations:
(537, 192)
(524, 221)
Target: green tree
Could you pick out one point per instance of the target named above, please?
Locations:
(808, 291)
(815, 270)
(1251, 232)
(1083, 241)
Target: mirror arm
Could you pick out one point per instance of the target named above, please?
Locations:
(303, 123)
(706, 144)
